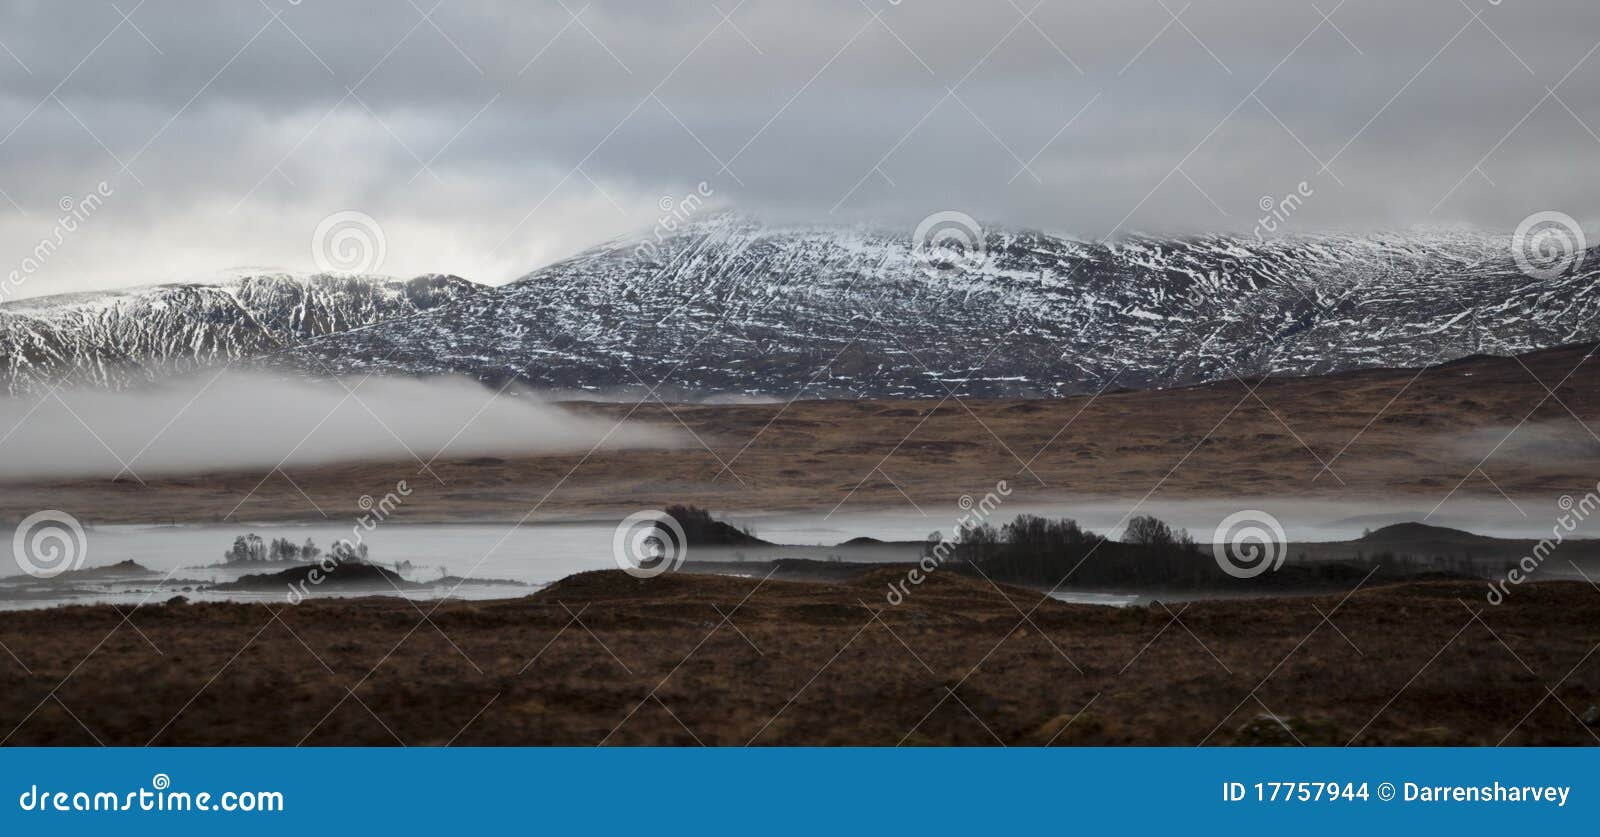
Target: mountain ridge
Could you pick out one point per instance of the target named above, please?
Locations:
(124, 337)
(731, 306)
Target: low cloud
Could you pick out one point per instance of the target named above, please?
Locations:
(247, 421)
(1548, 443)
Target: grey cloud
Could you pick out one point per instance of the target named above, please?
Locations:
(238, 147)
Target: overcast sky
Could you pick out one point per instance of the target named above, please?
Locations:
(489, 138)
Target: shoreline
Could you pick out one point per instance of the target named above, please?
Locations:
(1120, 573)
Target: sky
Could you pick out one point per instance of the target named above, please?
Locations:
(486, 139)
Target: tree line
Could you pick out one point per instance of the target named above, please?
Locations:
(253, 548)
(1151, 555)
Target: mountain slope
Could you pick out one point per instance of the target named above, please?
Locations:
(120, 337)
(729, 306)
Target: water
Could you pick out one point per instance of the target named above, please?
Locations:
(537, 554)
(1302, 519)
(533, 553)
(1102, 599)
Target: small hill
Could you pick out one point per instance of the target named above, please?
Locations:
(121, 568)
(1416, 533)
(345, 575)
(701, 529)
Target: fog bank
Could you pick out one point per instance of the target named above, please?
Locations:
(241, 420)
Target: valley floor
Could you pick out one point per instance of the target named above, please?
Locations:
(1481, 427)
(602, 658)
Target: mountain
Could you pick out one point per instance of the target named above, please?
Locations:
(732, 306)
(116, 338)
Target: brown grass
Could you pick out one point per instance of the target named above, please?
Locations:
(1400, 433)
(652, 662)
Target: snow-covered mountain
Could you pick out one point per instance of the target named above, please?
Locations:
(116, 338)
(731, 306)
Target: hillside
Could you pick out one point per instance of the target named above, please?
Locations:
(731, 306)
(122, 338)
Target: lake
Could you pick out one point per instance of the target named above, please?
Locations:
(539, 553)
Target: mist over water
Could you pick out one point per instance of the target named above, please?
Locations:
(243, 420)
(1303, 520)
